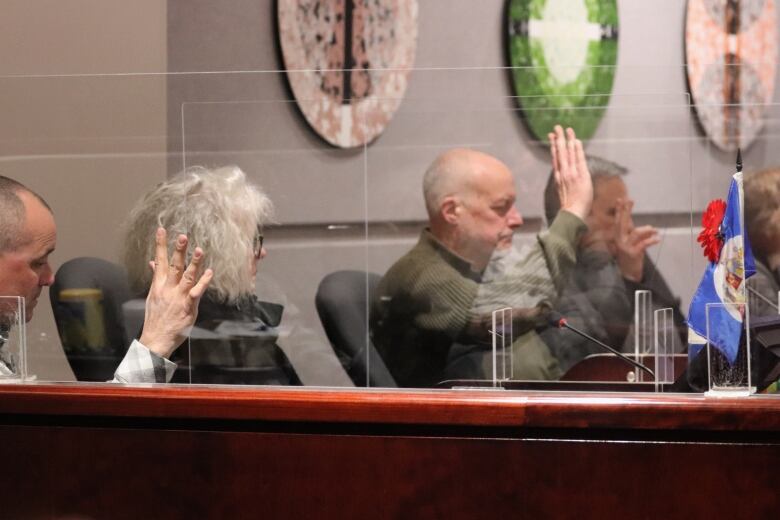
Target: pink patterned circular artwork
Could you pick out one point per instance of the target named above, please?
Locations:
(731, 52)
(348, 63)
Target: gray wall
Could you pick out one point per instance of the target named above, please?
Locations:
(456, 97)
(89, 118)
(88, 144)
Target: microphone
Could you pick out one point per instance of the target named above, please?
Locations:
(556, 319)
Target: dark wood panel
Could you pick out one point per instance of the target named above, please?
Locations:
(440, 407)
(120, 473)
(113, 452)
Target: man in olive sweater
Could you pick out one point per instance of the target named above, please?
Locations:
(430, 316)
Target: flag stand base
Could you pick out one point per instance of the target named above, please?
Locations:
(730, 391)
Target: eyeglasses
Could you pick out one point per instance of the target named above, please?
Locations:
(257, 244)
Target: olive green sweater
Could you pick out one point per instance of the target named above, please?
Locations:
(429, 300)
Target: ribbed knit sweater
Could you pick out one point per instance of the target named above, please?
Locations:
(428, 300)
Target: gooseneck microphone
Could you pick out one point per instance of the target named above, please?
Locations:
(557, 320)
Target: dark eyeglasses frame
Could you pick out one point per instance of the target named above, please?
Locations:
(257, 244)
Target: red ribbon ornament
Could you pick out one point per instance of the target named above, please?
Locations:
(710, 238)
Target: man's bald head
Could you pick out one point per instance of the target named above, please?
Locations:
(457, 172)
(12, 212)
(470, 199)
(28, 235)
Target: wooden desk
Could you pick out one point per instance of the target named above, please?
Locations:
(110, 452)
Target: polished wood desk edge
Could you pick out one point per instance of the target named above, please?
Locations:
(430, 407)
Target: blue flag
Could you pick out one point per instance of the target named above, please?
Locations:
(723, 282)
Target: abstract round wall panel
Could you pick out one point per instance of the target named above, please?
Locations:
(731, 51)
(563, 54)
(348, 63)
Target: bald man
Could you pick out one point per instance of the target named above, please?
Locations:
(427, 316)
(28, 235)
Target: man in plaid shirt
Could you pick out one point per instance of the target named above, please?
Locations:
(28, 235)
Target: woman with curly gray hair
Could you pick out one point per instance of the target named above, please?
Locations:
(234, 337)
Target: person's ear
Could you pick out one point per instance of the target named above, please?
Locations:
(450, 210)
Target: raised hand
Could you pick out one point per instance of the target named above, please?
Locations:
(575, 187)
(172, 303)
(631, 242)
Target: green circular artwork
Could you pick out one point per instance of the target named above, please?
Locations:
(563, 55)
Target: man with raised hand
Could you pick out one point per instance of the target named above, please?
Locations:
(430, 314)
(28, 235)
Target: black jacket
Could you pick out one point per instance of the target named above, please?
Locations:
(235, 344)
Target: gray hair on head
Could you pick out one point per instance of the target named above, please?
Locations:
(12, 213)
(599, 169)
(220, 212)
(446, 176)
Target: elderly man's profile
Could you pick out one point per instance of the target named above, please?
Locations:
(428, 316)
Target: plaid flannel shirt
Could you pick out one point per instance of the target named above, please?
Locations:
(141, 365)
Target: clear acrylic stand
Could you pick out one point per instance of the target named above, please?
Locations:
(665, 334)
(728, 377)
(502, 334)
(643, 327)
(13, 341)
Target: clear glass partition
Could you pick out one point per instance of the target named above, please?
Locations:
(748, 363)
(643, 151)
(318, 230)
(13, 346)
(90, 145)
(93, 145)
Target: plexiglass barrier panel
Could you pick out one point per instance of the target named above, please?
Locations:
(666, 346)
(503, 337)
(90, 146)
(643, 312)
(13, 345)
(728, 359)
(460, 249)
(310, 269)
(724, 217)
(762, 176)
(97, 148)
(94, 146)
(747, 271)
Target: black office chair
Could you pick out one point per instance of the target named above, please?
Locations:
(342, 304)
(87, 297)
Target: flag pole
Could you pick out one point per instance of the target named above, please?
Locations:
(744, 266)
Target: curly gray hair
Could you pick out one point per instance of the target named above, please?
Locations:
(219, 210)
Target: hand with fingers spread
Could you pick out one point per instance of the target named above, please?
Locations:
(631, 243)
(172, 303)
(575, 188)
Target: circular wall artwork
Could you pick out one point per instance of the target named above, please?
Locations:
(731, 51)
(348, 63)
(563, 54)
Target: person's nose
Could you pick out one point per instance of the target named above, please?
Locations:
(263, 253)
(47, 277)
(514, 218)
